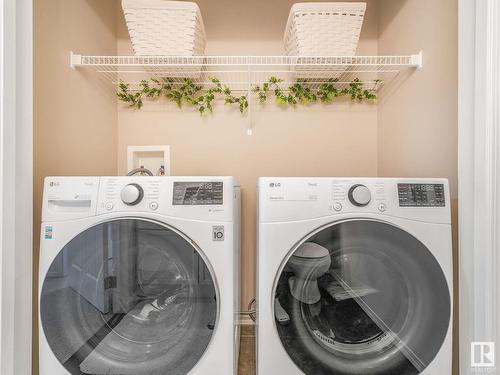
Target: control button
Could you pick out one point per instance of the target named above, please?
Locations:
(109, 206)
(132, 194)
(153, 205)
(360, 195)
(337, 206)
(382, 207)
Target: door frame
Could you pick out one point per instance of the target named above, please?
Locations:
(479, 175)
(16, 186)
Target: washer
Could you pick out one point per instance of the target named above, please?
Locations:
(139, 276)
(354, 276)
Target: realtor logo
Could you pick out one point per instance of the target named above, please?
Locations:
(482, 354)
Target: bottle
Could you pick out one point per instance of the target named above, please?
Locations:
(161, 171)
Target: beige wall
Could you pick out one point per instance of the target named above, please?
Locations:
(283, 144)
(75, 117)
(417, 122)
(329, 141)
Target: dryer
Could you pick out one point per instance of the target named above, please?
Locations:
(139, 276)
(354, 276)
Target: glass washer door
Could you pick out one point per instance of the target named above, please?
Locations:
(361, 297)
(129, 296)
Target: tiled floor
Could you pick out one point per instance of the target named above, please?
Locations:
(247, 350)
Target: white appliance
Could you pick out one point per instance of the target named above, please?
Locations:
(139, 275)
(354, 276)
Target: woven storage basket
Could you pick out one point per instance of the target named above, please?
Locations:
(159, 27)
(323, 29)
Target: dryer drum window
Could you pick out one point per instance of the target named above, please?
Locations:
(362, 297)
(129, 297)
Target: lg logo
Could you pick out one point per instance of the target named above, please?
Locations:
(482, 354)
(274, 184)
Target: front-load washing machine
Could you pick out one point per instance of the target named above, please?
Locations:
(139, 276)
(354, 276)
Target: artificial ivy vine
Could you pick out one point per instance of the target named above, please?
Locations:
(187, 93)
(301, 92)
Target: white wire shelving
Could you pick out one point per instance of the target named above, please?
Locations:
(240, 73)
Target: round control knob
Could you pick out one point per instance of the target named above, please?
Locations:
(132, 194)
(360, 195)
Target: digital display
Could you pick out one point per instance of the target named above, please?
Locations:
(421, 195)
(198, 193)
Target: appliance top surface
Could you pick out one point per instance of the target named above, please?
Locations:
(284, 199)
(209, 198)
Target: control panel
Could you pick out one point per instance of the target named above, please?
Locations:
(421, 195)
(161, 194)
(120, 193)
(348, 194)
(197, 197)
(300, 198)
(198, 193)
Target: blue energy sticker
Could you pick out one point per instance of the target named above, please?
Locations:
(48, 232)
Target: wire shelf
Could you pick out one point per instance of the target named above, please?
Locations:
(241, 73)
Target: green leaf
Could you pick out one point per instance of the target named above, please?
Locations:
(299, 92)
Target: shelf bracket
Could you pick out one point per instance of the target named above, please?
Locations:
(418, 60)
(74, 60)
